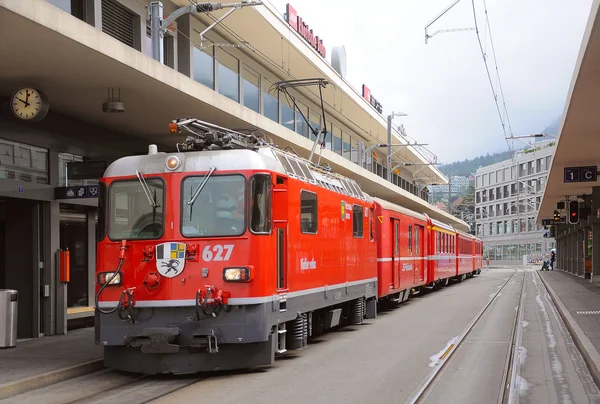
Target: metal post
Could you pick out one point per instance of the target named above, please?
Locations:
(156, 19)
(361, 151)
(389, 146)
(450, 194)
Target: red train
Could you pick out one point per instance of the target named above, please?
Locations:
(232, 250)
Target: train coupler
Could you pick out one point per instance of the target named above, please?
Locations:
(211, 301)
(127, 304)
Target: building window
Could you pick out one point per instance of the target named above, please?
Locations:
(337, 144)
(229, 79)
(308, 212)
(23, 162)
(315, 123)
(301, 125)
(251, 86)
(357, 221)
(203, 67)
(270, 103)
(119, 22)
(287, 115)
(73, 7)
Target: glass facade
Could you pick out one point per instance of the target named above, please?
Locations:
(23, 162)
(229, 79)
(251, 90)
(204, 67)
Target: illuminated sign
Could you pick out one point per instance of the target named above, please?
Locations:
(302, 28)
(367, 95)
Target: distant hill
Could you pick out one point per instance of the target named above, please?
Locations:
(551, 129)
(469, 166)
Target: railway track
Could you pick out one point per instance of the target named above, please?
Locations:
(508, 394)
(107, 386)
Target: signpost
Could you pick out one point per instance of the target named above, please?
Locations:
(581, 174)
(76, 192)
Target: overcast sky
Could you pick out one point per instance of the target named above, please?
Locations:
(443, 86)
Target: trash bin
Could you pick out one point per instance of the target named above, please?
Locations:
(8, 318)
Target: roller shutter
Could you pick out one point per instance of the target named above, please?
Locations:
(118, 22)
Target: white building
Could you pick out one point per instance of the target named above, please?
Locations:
(507, 198)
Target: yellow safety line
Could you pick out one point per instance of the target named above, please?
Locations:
(447, 351)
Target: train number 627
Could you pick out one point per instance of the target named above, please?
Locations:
(215, 252)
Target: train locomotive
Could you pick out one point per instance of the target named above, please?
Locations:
(232, 251)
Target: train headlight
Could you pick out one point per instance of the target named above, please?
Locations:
(172, 163)
(237, 274)
(104, 277)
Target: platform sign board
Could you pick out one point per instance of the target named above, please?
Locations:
(76, 192)
(85, 170)
(581, 174)
(548, 222)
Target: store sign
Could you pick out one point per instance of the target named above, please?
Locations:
(302, 28)
(366, 93)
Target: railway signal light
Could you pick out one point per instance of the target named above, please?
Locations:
(556, 216)
(573, 212)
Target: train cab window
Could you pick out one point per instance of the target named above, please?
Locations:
(217, 209)
(260, 203)
(358, 221)
(136, 209)
(410, 240)
(308, 212)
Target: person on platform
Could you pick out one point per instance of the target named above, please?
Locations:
(552, 259)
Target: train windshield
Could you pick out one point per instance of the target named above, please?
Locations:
(219, 208)
(133, 215)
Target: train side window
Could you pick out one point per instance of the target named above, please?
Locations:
(417, 246)
(358, 221)
(260, 203)
(410, 239)
(308, 212)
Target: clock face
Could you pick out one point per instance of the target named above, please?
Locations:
(28, 104)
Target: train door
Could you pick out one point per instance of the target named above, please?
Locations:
(280, 223)
(408, 263)
(396, 253)
(419, 254)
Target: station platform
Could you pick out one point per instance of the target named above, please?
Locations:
(578, 303)
(40, 362)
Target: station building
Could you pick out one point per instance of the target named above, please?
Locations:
(573, 187)
(508, 195)
(103, 95)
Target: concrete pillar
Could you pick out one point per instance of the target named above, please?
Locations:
(571, 250)
(91, 220)
(184, 46)
(580, 252)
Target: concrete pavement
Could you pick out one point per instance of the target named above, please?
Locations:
(380, 361)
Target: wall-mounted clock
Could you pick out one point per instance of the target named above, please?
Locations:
(29, 104)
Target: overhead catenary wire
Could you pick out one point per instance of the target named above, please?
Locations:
(499, 81)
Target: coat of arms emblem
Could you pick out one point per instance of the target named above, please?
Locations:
(170, 259)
